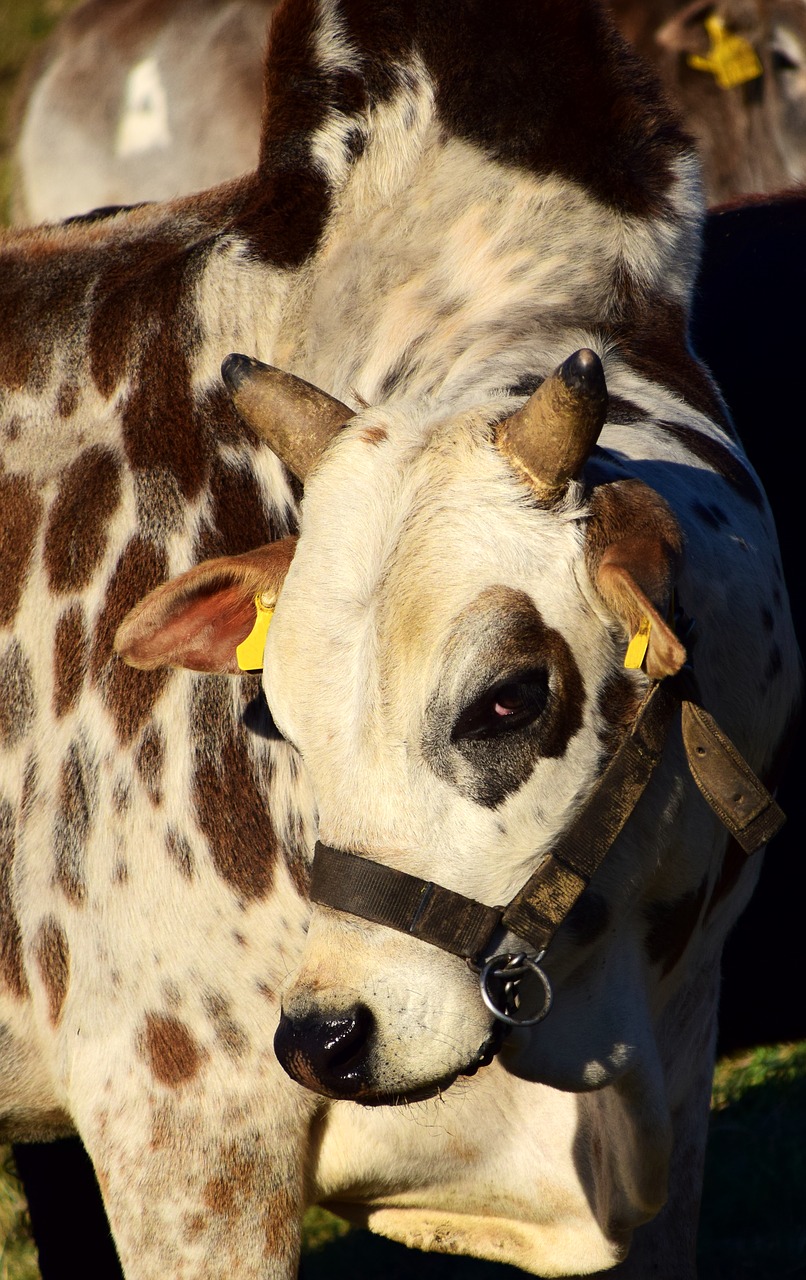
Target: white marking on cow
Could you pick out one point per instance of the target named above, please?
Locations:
(144, 124)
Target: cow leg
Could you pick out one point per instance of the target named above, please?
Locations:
(202, 1183)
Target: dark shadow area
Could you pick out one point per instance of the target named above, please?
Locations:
(749, 326)
(361, 1254)
(754, 1205)
(67, 1214)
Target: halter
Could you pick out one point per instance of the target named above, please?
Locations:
(354, 884)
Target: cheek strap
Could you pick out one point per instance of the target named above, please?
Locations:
(355, 884)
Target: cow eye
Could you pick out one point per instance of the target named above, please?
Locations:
(781, 61)
(509, 705)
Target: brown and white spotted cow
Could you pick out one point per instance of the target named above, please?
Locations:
(132, 100)
(737, 70)
(449, 203)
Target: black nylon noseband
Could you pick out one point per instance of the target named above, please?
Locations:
(359, 886)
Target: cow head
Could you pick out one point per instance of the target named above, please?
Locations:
(446, 656)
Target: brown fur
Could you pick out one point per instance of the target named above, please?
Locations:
(171, 1051)
(12, 971)
(52, 955)
(71, 655)
(20, 510)
(75, 537)
(16, 695)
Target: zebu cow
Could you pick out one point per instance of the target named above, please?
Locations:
(132, 100)
(737, 70)
(430, 232)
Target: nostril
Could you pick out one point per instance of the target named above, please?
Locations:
(327, 1054)
(345, 1039)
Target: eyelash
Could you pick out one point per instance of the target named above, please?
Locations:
(506, 707)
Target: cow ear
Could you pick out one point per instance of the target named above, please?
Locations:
(685, 31)
(199, 619)
(633, 550)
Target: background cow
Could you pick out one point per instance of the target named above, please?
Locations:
(745, 103)
(134, 100)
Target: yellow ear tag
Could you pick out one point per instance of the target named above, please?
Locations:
(250, 651)
(731, 60)
(636, 649)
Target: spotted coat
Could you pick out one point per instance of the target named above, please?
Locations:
(411, 250)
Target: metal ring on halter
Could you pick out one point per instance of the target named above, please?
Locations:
(511, 969)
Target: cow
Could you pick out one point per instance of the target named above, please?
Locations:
(458, 242)
(737, 70)
(133, 100)
(109, 111)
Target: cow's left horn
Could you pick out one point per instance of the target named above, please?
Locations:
(551, 437)
(295, 418)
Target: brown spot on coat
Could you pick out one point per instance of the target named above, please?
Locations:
(128, 694)
(505, 88)
(16, 695)
(172, 1053)
(149, 759)
(671, 925)
(239, 520)
(30, 786)
(179, 851)
(229, 793)
(78, 787)
(373, 435)
(12, 972)
(52, 955)
(511, 641)
(71, 657)
(122, 796)
(652, 336)
(67, 400)
(618, 704)
(76, 533)
(229, 1033)
(20, 513)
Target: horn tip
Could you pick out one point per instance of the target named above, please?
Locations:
(583, 373)
(236, 369)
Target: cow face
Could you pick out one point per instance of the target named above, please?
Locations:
(446, 657)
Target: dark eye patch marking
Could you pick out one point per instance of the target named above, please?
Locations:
(501, 648)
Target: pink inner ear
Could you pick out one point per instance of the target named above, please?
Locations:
(199, 631)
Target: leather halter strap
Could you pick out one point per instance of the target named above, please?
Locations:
(357, 885)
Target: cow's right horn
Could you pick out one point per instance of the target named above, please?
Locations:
(549, 440)
(295, 418)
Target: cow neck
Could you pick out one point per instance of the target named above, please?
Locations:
(357, 885)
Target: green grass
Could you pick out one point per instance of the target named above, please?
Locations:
(754, 1211)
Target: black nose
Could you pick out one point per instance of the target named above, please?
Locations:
(327, 1054)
